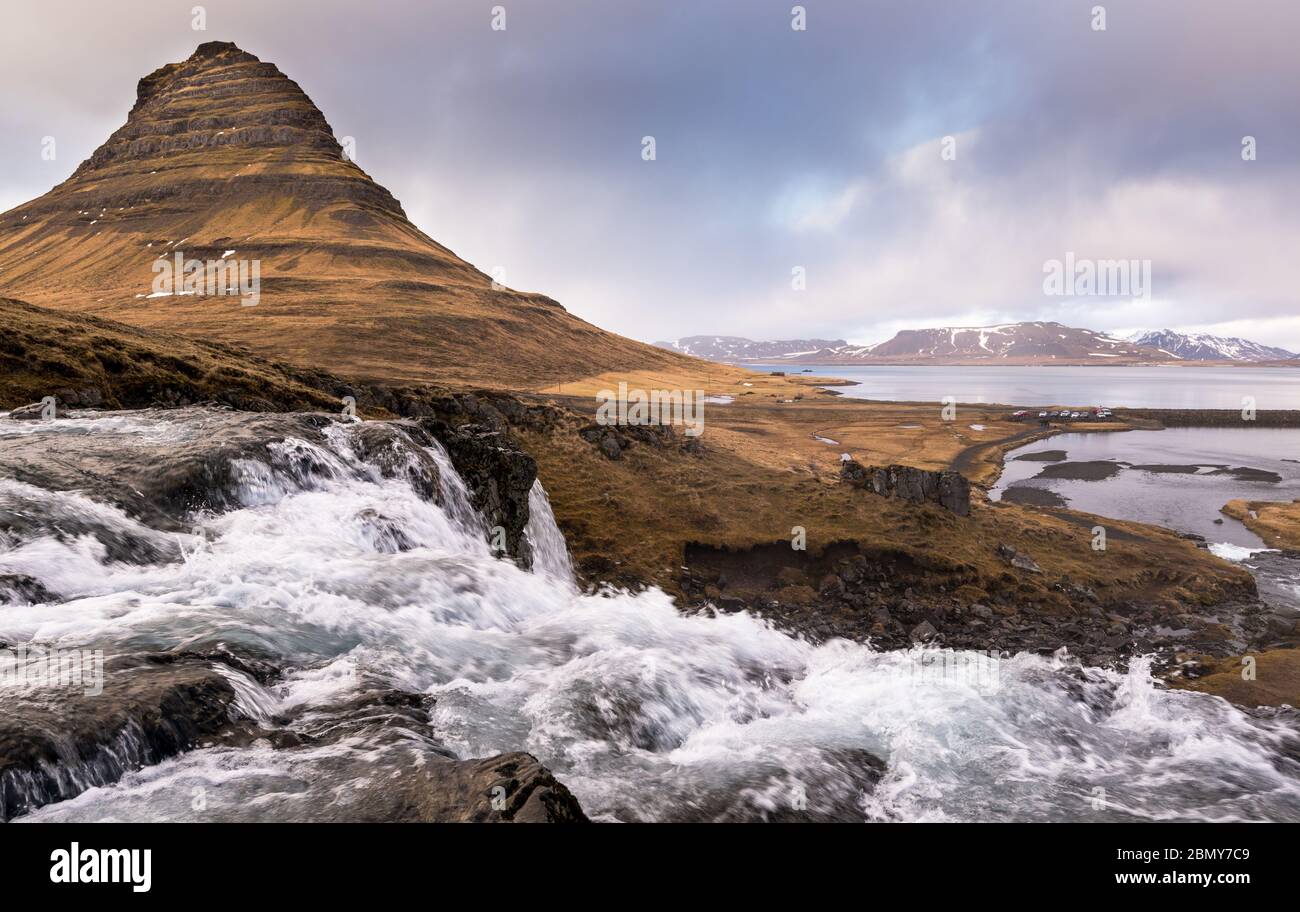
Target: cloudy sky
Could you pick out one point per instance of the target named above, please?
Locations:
(775, 148)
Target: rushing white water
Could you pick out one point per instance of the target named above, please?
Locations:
(347, 578)
(550, 553)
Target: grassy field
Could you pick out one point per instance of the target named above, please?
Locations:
(762, 471)
(49, 353)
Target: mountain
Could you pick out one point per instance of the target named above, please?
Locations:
(224, 155)
(736, 348)
(1205, 347)
(1008, 343)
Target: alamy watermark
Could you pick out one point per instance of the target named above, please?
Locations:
(1073, 277)
(75, 865)
(684, 408)
(956, 668)
(26, 666)
(237, 278)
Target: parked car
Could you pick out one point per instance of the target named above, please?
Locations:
(1020, 414)
(1042, 414)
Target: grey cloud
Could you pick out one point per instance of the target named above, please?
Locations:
(522, 148)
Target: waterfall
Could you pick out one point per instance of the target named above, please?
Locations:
(349, 582)
(550, 553)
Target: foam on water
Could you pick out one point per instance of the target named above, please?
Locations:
(645, 713)
(1229, 551)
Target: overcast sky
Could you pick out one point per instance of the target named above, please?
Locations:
(775, 148)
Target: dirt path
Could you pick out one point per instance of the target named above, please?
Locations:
(976, 462)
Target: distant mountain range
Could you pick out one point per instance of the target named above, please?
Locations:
(1007, 343)
(735, 348)
(1204, 347)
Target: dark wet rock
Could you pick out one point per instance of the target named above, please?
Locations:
(499, 475)
(56, 742)
(1031, 496)
(37, 411)
(949, 490)
(162, 480)
(923, 631)
(1041, 456)
(204, 473)
(1169, 469)
(87, 397)
(394, 450)
(509, 788)
(399, 772)
(610, 447)
(1095, 470)
(30, 514)
(21, 589)
(1245, 473)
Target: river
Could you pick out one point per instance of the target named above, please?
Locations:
(342, 576)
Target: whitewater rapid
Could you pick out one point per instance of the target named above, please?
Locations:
(347, 578)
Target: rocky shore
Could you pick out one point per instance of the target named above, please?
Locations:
(894, 601)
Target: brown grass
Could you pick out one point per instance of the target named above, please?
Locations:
(47, 353)
(762, 473)
(1276, 680)
(1278, 524)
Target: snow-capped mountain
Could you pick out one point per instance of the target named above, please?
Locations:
(1006, 343)
(1009, 342)
(1205, 347)
(736, 348)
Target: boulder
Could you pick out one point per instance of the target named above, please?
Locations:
(499, 476)
(949, 490)
(1018, 559)
(923, 631)
(149, 708)
(394, 449)
(36, 411)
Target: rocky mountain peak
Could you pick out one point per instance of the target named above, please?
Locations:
(221, 97)
(225, 158)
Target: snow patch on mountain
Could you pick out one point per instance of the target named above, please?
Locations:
(1207, 347)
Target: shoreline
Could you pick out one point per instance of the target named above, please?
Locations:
(1216, 676)
(1267, 365)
